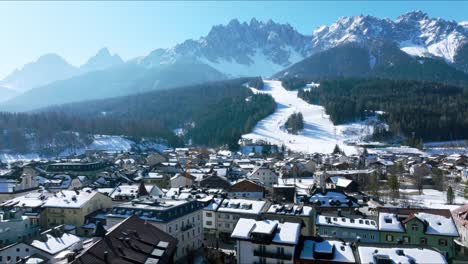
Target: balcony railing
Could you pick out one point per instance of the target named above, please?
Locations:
(275, 255)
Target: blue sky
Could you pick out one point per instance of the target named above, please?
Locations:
(76, 30)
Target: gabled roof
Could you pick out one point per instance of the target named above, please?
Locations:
(246, 186)
(131, 241)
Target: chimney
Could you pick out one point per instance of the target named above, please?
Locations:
(99, 231)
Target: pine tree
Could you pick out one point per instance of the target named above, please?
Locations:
(466, 190)
(393, 184)
(337, 150)
(450, 195)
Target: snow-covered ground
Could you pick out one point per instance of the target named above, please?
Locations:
(100, 143)
(431, 199)
(319, 134)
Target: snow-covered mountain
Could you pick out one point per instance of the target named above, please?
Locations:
(264, 48)
(102, 60)
(415, 33)
(51, 67)
(48, 68)
(240, 49)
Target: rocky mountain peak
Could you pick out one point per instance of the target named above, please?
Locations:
(102, 60)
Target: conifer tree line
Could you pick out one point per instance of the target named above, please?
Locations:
(212, 114)
(418, 110)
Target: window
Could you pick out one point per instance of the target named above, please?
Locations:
(414, 227)
(406, 239)
(442, 242)
(17, 258)
(423, 241)
(27, 250)
(170, 229)
(176, 227)
(371, 236)
(8, 258)
(18, 250)
(389, 238)
(209, 223)
(227, 225)
(325, 231)
(280, 250)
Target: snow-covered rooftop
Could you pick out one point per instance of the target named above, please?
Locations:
(343, 251)
(400, 255)
(332, 199)
(291, 210)
(243, 206)
(54, 245)
(128, 190)
(438, 225)
(346, 222)
(69, 199)
(389, 222)
(285, 233)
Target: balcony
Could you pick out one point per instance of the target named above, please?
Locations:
(275, 255)
(187, 227)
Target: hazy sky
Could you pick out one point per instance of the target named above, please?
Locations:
(76, 30)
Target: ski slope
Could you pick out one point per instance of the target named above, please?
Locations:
(319, 134)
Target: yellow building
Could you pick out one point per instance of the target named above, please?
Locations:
(70, 207)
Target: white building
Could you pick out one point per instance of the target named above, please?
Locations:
(264, 175)
(182, 180)
(16, 227)
(229, 211)
(265, 241)
(181, 219)
(53, 246)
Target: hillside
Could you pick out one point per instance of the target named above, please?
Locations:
(382, 60)
(117, 81)
(419, 110)
(211, 114)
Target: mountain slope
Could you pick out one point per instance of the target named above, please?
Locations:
(102, 60)
(383, 60)
(240, 49)
(6, 93)
(415, 33)
(51, 67)
(117, 81)
(48, 68)
(213, 113)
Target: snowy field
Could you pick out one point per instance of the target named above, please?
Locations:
(319, 134)
(100, 143)
(430, 199)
